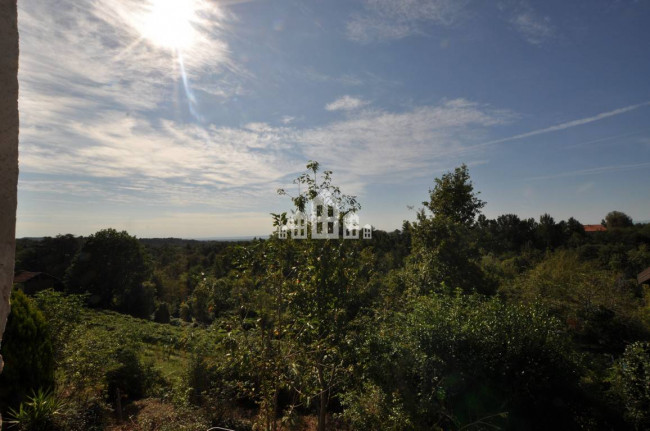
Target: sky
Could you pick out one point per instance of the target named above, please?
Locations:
(181, 118)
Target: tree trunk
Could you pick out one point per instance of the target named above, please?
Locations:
(8, 152)
(322, 413)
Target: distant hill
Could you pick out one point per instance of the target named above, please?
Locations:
(159, 242)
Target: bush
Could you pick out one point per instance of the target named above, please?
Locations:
(632, 383)
(457, 360)
(162, 313)
(63, 314)
(37, 413)
(185, 312)
(131, 377)
(27, 352)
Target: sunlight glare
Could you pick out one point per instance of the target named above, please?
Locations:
(169, 23)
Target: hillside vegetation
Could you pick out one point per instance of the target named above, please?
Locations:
(454, 322)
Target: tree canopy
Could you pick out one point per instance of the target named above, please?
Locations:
(616, 219)
(112, 267)
(453, 197)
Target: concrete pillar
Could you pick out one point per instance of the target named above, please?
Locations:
(8, 152)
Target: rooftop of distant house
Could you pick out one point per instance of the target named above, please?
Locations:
(595, 228)
(24, 276)
(34, 281)
(643, 276)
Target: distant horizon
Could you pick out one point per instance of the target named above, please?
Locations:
(249, 237)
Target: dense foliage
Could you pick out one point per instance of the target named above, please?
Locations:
(455, 322)
(27, 352)
(112, 267)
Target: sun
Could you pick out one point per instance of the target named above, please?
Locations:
(170, 23)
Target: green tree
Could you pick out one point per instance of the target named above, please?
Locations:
(453, 197)
(27, 352)
(49, 255)
(444, 238)
(615, 219)
(549, 233)
(304, 297)
(112, 267)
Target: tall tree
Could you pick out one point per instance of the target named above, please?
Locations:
(453, 197)
(112, 267)
(306, 302)
(444, 250)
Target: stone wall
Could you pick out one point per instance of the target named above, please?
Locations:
(8, 152)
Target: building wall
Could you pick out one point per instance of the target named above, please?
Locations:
(8, 151)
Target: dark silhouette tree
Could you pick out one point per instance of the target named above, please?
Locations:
(615, 219)
(112, 267)
(27, 352)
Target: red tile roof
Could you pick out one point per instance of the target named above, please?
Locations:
(595, 228)
(643, 276)
(25, 276)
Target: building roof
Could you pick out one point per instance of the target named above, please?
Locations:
(643, 276)
(595, 228)
(24, 276)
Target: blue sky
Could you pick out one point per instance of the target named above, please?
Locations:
(182, 117)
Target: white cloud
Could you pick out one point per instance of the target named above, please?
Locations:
(383, 145)
(131, 158)
(346, 103)
(396, 19)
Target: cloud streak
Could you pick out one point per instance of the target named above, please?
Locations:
(592, 171)
(568, 124)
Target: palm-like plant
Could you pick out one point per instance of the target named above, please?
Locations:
(37, 412)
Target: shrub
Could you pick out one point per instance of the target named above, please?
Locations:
(185, 312)
(162, 313)
(451, 361)
(37, 413)
(131, 377)
(632, 383)
(27, 352)
(63, 314)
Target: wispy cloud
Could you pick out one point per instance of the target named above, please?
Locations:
(396, 19)
(346, 103)
(134, 159)
(592, 171)
(383, 145)
(535, 29)
(530, 24)
(569, 124)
